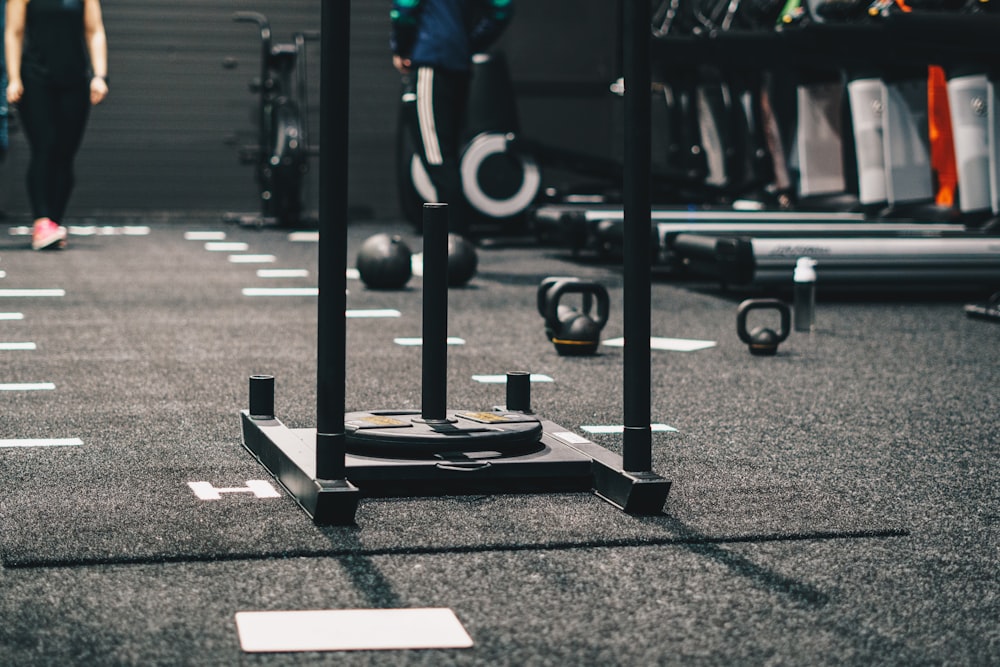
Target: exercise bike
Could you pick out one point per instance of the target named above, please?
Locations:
(281, 154)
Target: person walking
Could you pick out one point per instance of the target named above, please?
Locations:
(434, 41)
(57, 68)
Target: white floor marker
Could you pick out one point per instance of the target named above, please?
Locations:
(259, 488)
(17, 346)
(618, 428)
(304, 237)
(27, 386)
(350, 630)
(498, 379)
(204, 236)
(28, 293)
(252, 259)
(372, 312)
(226, 246)
(11, 316)
(668, 344)
(282, 273)
(280, 291)
(91, 230)
(40, 442)
(452, 340)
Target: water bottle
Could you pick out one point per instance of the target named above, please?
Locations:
(804, 294)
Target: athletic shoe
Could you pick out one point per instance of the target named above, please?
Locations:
(47, 234)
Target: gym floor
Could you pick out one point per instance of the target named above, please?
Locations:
(834, 504)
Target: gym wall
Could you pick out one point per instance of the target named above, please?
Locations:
(165, 141)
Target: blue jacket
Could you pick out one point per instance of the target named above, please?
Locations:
(445, 33)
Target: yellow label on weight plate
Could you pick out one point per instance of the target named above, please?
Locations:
(488, 417)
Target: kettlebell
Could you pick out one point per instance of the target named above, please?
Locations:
(573, 332)
(763, 341)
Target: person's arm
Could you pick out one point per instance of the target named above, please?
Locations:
(13, 45)
(97, 48)
(495, 17)
(404, 16)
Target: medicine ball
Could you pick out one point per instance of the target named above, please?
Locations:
(384, 262)
(462, 260)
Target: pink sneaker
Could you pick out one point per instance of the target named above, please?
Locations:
(47, 234)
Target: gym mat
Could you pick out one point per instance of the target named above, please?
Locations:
(151, 347)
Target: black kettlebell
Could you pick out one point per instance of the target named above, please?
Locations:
(574, 332)
(763, 341)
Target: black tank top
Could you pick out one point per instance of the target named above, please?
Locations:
(55, 50)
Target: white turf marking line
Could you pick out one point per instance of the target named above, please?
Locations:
(204, 236)
(498, 379)
(39, 442)
(32, 292)
(350, 630)
(282, 273)
(451, 340)
(618, 428)
(372, 312)
(17, 346)
(226, 246)
(11, 316)
(417, 264)
(27, 386)
(108, 230)
(258, 487)
(92, 230)
(304, 237)
(252, 259)
(3, 274)
(353, 274)
(280, 291)
(669, 344)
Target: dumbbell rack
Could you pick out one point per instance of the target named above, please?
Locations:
(439, 451)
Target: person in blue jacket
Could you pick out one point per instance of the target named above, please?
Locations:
(433, 42)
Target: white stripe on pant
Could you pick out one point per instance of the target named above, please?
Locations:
(425, 115)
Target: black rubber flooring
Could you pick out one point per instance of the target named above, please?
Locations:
(835, 504)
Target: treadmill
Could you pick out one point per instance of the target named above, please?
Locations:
(841, 261)
(582, 226)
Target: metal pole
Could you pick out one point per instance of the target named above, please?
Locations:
(637, 440)
(331, 359)
(434, 377)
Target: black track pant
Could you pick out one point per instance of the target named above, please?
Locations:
(442, 97)
(54, 118)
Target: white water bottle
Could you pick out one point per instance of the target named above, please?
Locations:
(804, 294)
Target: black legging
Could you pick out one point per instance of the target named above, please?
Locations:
(54, 118)
(439, 117)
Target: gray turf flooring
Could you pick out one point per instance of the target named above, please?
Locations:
(836, 504)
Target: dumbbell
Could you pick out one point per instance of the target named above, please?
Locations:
(573, 331)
